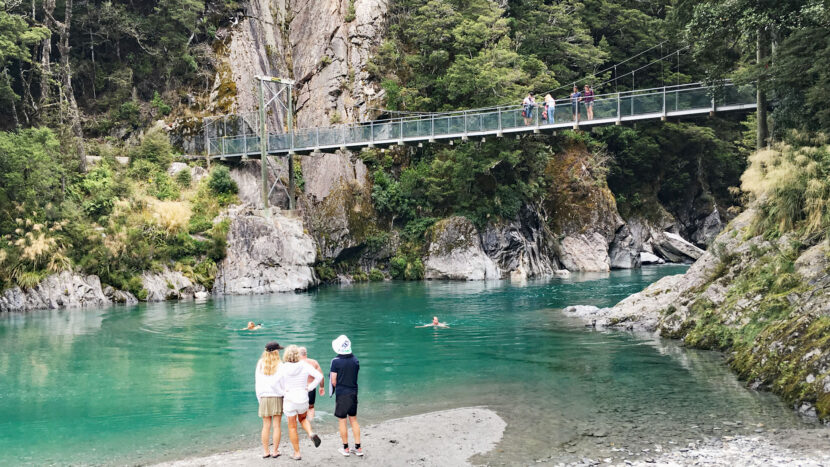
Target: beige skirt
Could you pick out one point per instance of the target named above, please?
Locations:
(270, 406)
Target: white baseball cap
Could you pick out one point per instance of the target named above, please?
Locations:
(342, 345)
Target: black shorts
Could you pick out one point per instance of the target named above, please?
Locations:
(345, 404)
(312, 396)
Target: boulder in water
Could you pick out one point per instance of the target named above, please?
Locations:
(455, 253)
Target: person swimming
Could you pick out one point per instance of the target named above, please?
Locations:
(252, 326)
(434, 324)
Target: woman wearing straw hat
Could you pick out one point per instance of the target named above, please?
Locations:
(269, 394)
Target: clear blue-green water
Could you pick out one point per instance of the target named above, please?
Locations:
(159, 381)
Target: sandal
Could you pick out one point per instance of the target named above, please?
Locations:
(316, 440)
(266, 456)
(296, 457)
(276, 454)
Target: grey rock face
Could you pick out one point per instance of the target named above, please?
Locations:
(624, 252)
(324, 174)
(266, 255)
(120, 296)
(168, 285)
(455, 252)
(314, 45)
(649, 258)
(674, 248)
(248, 177)
(706, 229)
(520, 247)
(62, 290)
(584, 252)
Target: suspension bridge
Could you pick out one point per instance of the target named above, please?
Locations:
(237, 136)
(270, 130)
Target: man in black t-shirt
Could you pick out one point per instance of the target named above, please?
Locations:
(344, 369)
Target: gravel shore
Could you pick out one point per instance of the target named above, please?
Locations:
(445, 438)
(804, 448)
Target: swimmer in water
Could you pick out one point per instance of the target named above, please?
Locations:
(252, 326)
(434, 324)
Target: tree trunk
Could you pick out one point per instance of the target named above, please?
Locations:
(46, 55)
(74, 113)
(14, 107)
(761, 56)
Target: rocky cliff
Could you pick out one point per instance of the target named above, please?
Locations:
(265, 255)
(765, 301)
(63, 290)
(324, 45)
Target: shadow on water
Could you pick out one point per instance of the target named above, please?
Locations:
(159, 381)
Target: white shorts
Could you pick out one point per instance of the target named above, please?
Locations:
(291, 409)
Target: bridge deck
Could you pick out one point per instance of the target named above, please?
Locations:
(650, 104)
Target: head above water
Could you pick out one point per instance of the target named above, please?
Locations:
(434, 320)
(251, 325)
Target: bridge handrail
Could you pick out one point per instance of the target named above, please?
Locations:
(639, 101)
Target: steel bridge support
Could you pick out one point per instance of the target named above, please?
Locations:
(276, 87)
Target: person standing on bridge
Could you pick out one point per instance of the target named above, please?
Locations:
(575, 98)
(588, 98)
(527, 108)
(550, 108)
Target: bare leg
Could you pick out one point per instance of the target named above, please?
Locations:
(292, 434)
(266, 431)
(305, 423)
(355, 429)
(344, 432)
(310, 413)
(277, 433)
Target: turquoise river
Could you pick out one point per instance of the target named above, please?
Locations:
(133, 385)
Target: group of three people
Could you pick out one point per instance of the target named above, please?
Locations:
(289, 386)
(549, 107)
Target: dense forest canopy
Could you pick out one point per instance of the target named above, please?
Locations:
(87, 77)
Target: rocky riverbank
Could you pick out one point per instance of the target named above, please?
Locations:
(766, 302)
(805, 448)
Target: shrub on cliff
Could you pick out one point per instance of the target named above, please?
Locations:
(220, 181)
(155, 147)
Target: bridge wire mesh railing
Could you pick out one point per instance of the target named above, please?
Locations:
(234, 135)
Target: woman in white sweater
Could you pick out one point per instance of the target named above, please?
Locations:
(293, 376)
(270, 393)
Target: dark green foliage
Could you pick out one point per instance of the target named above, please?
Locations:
(325, 272)
(669, 163)
(220, 181)
(155, 148)
(159, 104)
(183, 178)
(32, 173)
(375, 275)
(163, 187)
